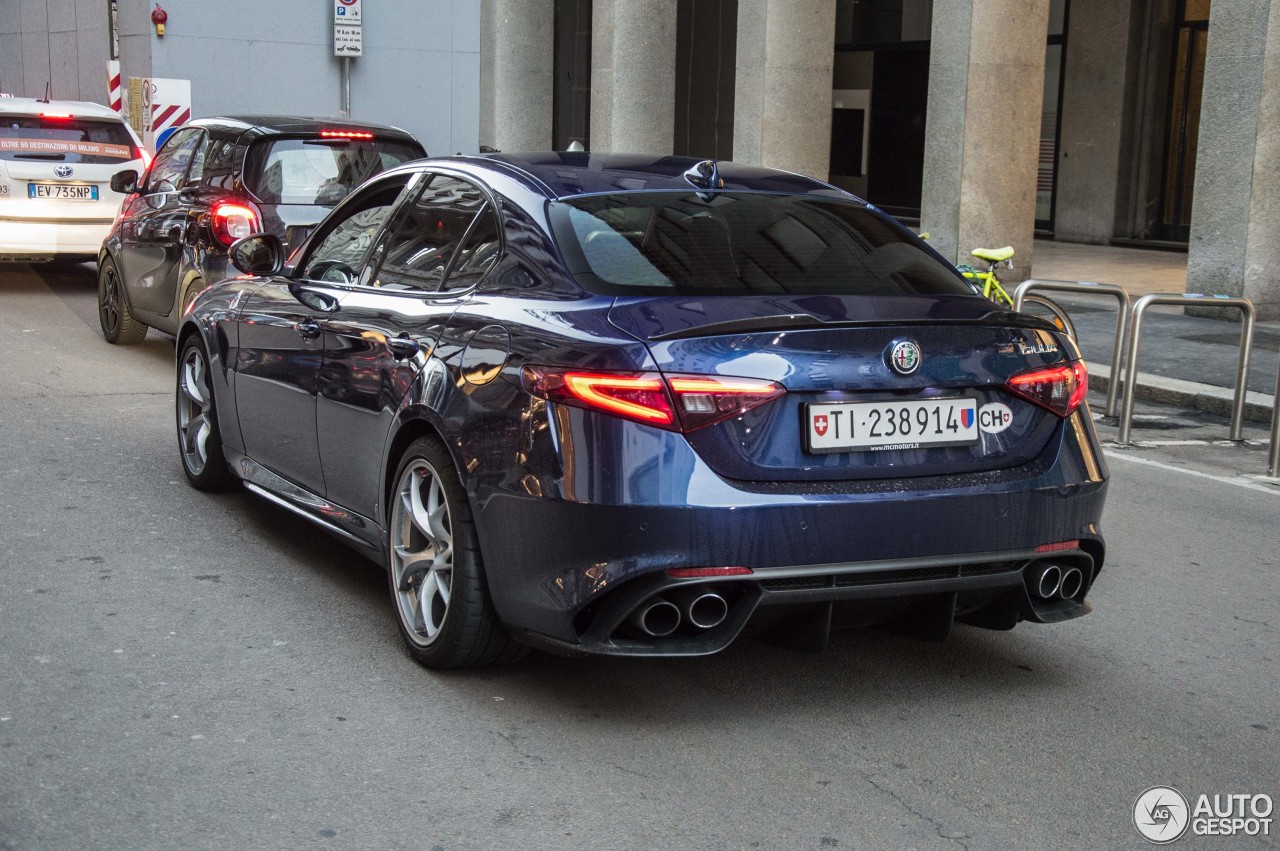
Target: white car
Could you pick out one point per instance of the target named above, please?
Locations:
(56, 162)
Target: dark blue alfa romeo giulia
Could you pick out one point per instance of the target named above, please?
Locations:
(625, 405)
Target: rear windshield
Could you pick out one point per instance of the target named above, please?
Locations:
(319, 171)
(727, 243)
(65, 140)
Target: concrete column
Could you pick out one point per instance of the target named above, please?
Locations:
(1093, 99)
(633, 75)
(517, 56)
(1235, 214)
(982, 134)
(782, 100)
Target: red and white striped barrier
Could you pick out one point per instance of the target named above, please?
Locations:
(115, 95)
(168, 116)
(167, 105)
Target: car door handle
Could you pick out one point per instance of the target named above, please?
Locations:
(308, 329)
(403, 347)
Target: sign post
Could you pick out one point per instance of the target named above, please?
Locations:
(348, 42)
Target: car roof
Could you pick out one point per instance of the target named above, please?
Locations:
(77, 108)
(563, 174)
(293, 124)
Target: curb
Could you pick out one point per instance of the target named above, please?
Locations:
(1187, 394)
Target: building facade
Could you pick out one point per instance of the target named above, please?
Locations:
(987, 122)
(420, 69)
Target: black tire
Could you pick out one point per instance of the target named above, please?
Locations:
(118, 325)
(440, 553)
(1050, 310)
(196, 415)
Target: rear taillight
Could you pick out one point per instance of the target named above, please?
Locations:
(675, 402)
(232, 220)
(702, 400)
(1059, 388)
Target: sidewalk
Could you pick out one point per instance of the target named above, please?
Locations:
(1184, 360)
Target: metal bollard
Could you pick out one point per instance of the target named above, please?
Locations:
(1122, 321)
(1242, 368)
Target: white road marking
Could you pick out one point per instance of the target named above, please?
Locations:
(1226, 480)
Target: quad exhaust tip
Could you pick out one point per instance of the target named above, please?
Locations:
(657, 618)
(1072, 582)
(1048, 582)
(703, 609)
(1045, 580)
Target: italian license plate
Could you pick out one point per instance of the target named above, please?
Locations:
(62, 191)
(879, 426)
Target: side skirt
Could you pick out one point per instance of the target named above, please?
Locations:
(358, 531)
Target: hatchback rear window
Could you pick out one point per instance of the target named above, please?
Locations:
(319, 171)
(65, 140)
(741, 243)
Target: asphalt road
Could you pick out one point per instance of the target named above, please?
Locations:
(179, 670)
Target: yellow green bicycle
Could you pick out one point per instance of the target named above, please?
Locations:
(989, 281)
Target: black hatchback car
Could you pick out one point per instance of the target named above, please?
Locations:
(214, 181)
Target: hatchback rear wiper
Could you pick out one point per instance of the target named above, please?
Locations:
(39, 156)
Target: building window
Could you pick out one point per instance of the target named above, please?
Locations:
(880, 82)
(1182, 134)
(1055, 55)
(706, 53)
(571, 92)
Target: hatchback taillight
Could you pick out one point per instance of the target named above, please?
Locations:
(673, 402)
(232, 220)
(1059, 388)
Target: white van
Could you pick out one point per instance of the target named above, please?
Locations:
(56, 162)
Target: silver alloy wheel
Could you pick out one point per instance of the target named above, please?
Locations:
(421, 552)
(195, 407)
(109, 306)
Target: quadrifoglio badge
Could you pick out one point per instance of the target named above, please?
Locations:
(1162, 815)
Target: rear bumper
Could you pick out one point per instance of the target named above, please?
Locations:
(23, 239)
(555, 563)
(925, 596)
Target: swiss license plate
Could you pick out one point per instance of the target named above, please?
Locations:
(63, 191)
(878, 426)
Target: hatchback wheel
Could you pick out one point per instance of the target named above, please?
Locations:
(436, 573)
(118, 324)
(199, 440)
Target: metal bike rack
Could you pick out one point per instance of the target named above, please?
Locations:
(1135, 335)
(1123, 308)
(1273, 457)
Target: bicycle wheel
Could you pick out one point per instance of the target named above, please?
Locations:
(1049, 310)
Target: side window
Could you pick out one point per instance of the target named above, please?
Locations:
(428, 233)
(337, 257)
(479, 251)
(170, 166)
(220, 163)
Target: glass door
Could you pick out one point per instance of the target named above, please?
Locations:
(1183, 131)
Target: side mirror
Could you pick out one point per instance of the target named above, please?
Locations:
(125, 182)
(258, 254)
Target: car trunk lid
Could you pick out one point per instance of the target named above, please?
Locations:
(834, 352)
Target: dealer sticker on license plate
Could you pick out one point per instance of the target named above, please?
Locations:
(63, 191)
(879, 426)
